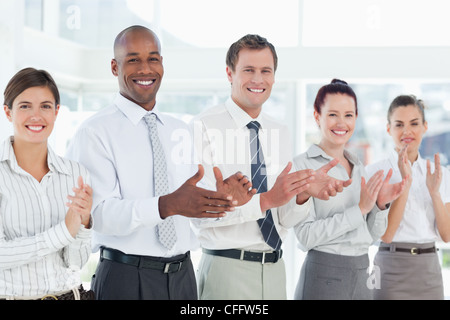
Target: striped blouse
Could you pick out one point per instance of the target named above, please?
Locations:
(38, 255)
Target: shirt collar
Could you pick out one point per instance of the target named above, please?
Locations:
(240, 117)
(7, 153)
(133, 111)
(54, 162)
(315, 151)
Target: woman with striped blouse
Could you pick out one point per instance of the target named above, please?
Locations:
(45, 202)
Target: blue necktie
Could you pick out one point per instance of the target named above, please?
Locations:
(259, 181)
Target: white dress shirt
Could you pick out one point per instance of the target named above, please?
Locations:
(38, 255)
(222, 139)
(115, 147)
(419, 222)
(337, 225)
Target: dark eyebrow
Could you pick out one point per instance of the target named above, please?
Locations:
(27, 102)
(253, 67)
(416, 119)
(132, 54)
(337, 111)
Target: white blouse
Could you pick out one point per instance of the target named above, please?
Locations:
(38, 255)
(418, 224)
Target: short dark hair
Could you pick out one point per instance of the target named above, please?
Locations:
(336, 86)
(250, 41)
(29, 78)
(406, 100)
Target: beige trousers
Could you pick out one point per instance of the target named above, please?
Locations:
(221, 278)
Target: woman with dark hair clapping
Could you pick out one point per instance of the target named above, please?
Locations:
(45, 200)
(407, 258)
(338, 232)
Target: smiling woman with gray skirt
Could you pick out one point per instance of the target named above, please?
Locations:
(407, 262)
(338, 232)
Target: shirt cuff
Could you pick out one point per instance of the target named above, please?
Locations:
(292, 213)
(84, 233)
(148, 211)
(354, 217)
(58, 237)
(253, 207)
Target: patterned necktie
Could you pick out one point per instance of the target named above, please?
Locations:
(259, 181)
(166, 229)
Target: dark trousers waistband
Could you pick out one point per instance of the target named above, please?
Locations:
(172, 265)
(261, 257)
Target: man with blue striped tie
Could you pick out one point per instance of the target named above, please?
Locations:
(242, 256)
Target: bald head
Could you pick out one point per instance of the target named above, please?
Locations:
(138, 65)
(121, 38)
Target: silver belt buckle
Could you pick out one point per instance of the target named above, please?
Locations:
(167, 266)
(414, 251)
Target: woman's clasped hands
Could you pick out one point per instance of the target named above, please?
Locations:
(80, 205)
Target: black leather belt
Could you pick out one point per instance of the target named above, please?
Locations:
(144, 261)
(412, 251)
(261, 257)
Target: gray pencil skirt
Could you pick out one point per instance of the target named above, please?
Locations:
(406, 276)
(326, 276)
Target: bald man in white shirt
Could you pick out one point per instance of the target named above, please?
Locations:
(118, 149)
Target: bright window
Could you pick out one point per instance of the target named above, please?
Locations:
(375, 23)
(198, 23)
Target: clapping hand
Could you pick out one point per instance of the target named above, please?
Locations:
(195, 202)
(236, 185)
(403, 163)
(369, 192)
(287, 185)
(434, 179)
(323, 186)
(390, 192)
(80, 205)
